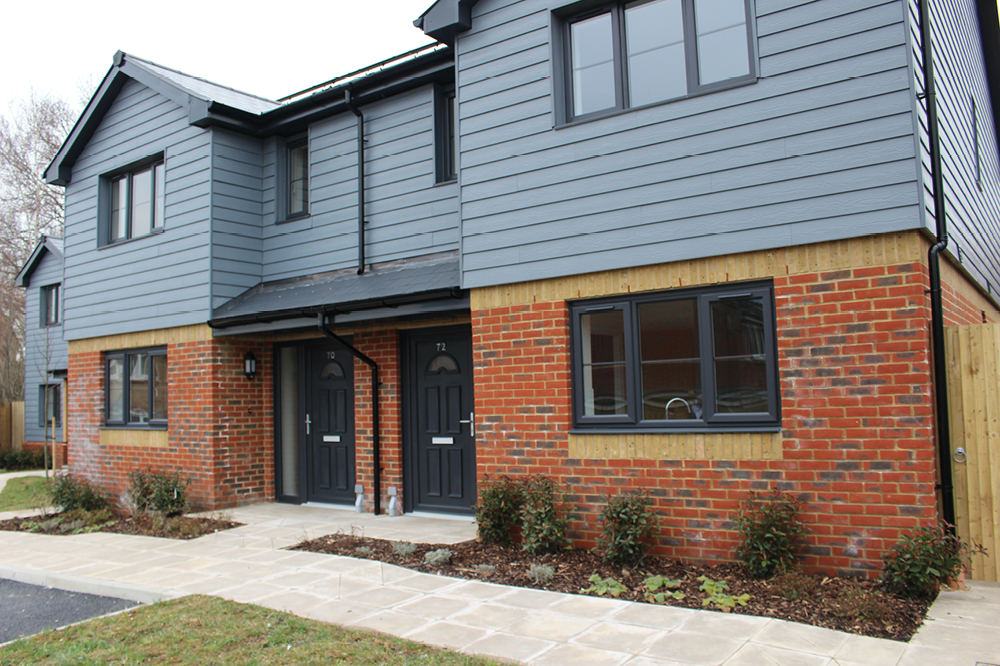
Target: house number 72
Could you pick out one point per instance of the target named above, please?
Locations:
(441, 346)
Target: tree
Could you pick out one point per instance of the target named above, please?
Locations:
(30, 135)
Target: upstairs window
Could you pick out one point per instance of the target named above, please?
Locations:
(625, 55)
(297, 159)
(135, 385)
(445, 134)
(136, 203)
(50, 305)
(702, 359)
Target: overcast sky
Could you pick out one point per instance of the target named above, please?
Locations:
(269, 48)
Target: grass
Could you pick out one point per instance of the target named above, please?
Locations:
(25, 492)
(201, 630)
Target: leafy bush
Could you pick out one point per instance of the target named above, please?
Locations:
(916, 566)
(21, 460)
(438, 557)
(771, 532)
(75, 492)
(543, 517)
(499, 508)
(629, 528)
(159, 492)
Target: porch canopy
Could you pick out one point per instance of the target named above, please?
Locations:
(392, 289)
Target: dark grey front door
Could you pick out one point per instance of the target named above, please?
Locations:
(329, 424)
(442, 449)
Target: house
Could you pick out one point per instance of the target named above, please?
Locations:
(45, 353)
(663, 246)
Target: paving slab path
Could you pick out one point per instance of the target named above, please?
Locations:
(248, 564)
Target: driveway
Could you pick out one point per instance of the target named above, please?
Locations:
(30, 609)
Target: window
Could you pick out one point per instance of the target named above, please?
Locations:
(50, 305)
(445, 136)
(297, 160)
(690, 359)
(49, 405)
(136, 202)
(136, 388)
(631, 54)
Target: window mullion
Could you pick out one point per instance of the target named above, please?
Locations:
(706, 343)
(633, 367)
(690, 46)
(618, 46)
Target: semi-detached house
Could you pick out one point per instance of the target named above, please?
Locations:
(680, 246)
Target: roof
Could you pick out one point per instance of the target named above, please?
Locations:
(340, 292)
(45, 244)
(445, 18)
(211, 104)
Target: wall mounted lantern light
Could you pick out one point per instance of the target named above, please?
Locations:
(249, 365)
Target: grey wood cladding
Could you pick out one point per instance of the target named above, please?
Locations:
(820, 147)
(44, 347)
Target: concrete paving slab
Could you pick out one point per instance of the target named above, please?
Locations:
(342, 612)
(531, 599)
(510, 648)
(489, 616)
(756, 654)
(694, 648)
(862, 649)
(435, 607)
(293, 601)
(616, 633)
(589, 607)
(385, 597)
(648, 615)
(551, 626)
(391, 622)
(801, 637)
(448, 635)
(476, 590)
(580, 654)
(740, 627)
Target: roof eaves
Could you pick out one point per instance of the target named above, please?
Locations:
(446, 18)
(45, 244)
(989, 37)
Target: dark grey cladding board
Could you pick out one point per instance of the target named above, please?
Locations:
(44, 347)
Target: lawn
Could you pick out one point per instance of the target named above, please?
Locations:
(201, 630)
(25, 492)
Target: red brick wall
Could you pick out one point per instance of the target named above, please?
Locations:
(38, 446)
(220, 424)
(857, 417)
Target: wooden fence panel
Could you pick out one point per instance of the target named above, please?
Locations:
(973, 355)
(5, 439)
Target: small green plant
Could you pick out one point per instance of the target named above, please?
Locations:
(438, 557)
(543, 517)
(540, 574)
(403, 548)
(485, 569)
(925, 558)
(717, 592)
(75, 492)
(771, 532)
(364, 551)
(793, 585)
(159, 492)
(603, 586)
(859, 604)
(654, 584)
(20, 460)
(498, 511)
(629, 527)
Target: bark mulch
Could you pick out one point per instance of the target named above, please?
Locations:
(177, 527)
(846, 604)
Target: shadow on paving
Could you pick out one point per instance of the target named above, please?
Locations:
(30, 609)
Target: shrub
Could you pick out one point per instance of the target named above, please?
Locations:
(793, 585)
(485, 569)
(75, 492)
(403, 548)
(21, 460)
(540, 574)
(771, 532)
(364, 551)
(543, 518)
(159, 492)
(916, 566)
(438, 557)
(499, 508)
(629, 528)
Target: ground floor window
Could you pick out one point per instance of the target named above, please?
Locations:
(49, 405)
(136, 387)
(678, 359)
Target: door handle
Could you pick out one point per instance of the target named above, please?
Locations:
(472, 422)
(308, 423)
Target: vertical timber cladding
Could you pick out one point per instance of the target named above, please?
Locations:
(856, 442)
(220, 424)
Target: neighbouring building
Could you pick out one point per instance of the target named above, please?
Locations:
(665, 245)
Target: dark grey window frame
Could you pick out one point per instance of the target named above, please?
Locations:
(57, 402)
(445, 134)
(48, 311)
(713, 422)
(105, 197)
(125, 355)
(564, 17)
(283, 148)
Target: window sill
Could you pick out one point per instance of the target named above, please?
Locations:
(681, 430)
(296, 218)
(125, 241)
(601, 115)
(135, 426)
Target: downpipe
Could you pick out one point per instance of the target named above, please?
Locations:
(349, 100)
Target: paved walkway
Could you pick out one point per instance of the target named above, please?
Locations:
(247, 564)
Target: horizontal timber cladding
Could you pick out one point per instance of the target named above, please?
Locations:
(44, 346)
(820, 147)
(856, 442)
(219, 424)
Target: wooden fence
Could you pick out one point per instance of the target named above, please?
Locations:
(11, 426)
(973, 354)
